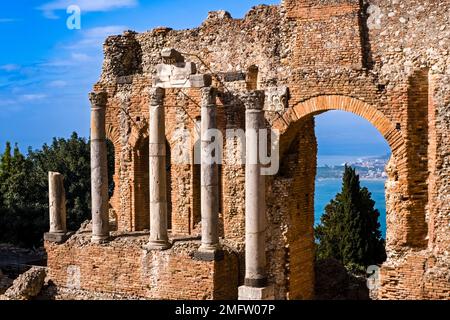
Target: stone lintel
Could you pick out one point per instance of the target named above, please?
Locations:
(182, 81)
(251, 293)
(171, 56)
(200, 80)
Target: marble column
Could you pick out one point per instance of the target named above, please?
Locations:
(255, 286)
(157, 151)
(99, 169)
(210, 246)
(57, 208)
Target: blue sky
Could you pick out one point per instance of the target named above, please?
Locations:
(47, 70)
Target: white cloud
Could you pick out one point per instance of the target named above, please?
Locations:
(32, 97)
(7, 102)
(81, 57)
(10, 67)
(19, 100)
(95, 37)
(49, 8)
(100, 32)
(57, 84)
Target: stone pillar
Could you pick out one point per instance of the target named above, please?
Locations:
(255, 286)
(209, 249)
(157, 151)
(99, 169)
(57, 208)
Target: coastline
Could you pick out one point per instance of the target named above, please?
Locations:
(361, 179)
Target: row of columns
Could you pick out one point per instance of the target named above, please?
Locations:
(255, 286)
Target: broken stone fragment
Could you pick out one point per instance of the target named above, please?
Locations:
(161, 30)
(219, 15)
(27, 285)
(171, 56)
(276, 99)
(200, 80)
(176, 75)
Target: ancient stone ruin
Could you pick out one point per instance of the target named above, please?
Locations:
(179, 226)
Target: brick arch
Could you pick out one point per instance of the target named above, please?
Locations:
(112, 133)
(296, 180)
(319, 104)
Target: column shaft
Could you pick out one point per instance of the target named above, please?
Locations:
(209, 172)
(255, 205)
(99, 169)
(57, 203)
(57, 209)
(157, 152)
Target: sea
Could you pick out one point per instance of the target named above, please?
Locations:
(326, 189)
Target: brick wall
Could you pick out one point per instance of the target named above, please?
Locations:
(394, 74)
(123, 267)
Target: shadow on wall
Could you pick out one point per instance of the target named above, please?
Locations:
(334, 282)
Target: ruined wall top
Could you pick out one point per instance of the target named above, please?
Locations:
(390, 38)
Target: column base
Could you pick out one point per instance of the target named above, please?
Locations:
(252, 293)
(99, 239)
(209, 253)
(157, 245)
(58, 237)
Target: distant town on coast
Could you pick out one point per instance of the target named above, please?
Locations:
(368, 168)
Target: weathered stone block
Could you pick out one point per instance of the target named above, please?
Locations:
(200, 80)
(171, 56)
(277, 99)
(27, 285)
(251, 293)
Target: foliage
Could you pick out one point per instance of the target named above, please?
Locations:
(24, 188)
(349, 230)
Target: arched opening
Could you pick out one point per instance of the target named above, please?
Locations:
(252, 78)
(195, 218)
(141, 196)
(345, 139)
(141, 216)
(291, 193)
(111, 152)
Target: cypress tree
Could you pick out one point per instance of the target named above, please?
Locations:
(349, 230)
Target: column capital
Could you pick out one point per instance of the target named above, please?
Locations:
(98, 99)
(253, 100)
(156, 95)
(209, 95)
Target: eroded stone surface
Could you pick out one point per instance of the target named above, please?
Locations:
(386, 61)
(27, 285)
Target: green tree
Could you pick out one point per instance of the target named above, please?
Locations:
(24, 188)
(20, 220)
(5, 169)
(349, 230)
